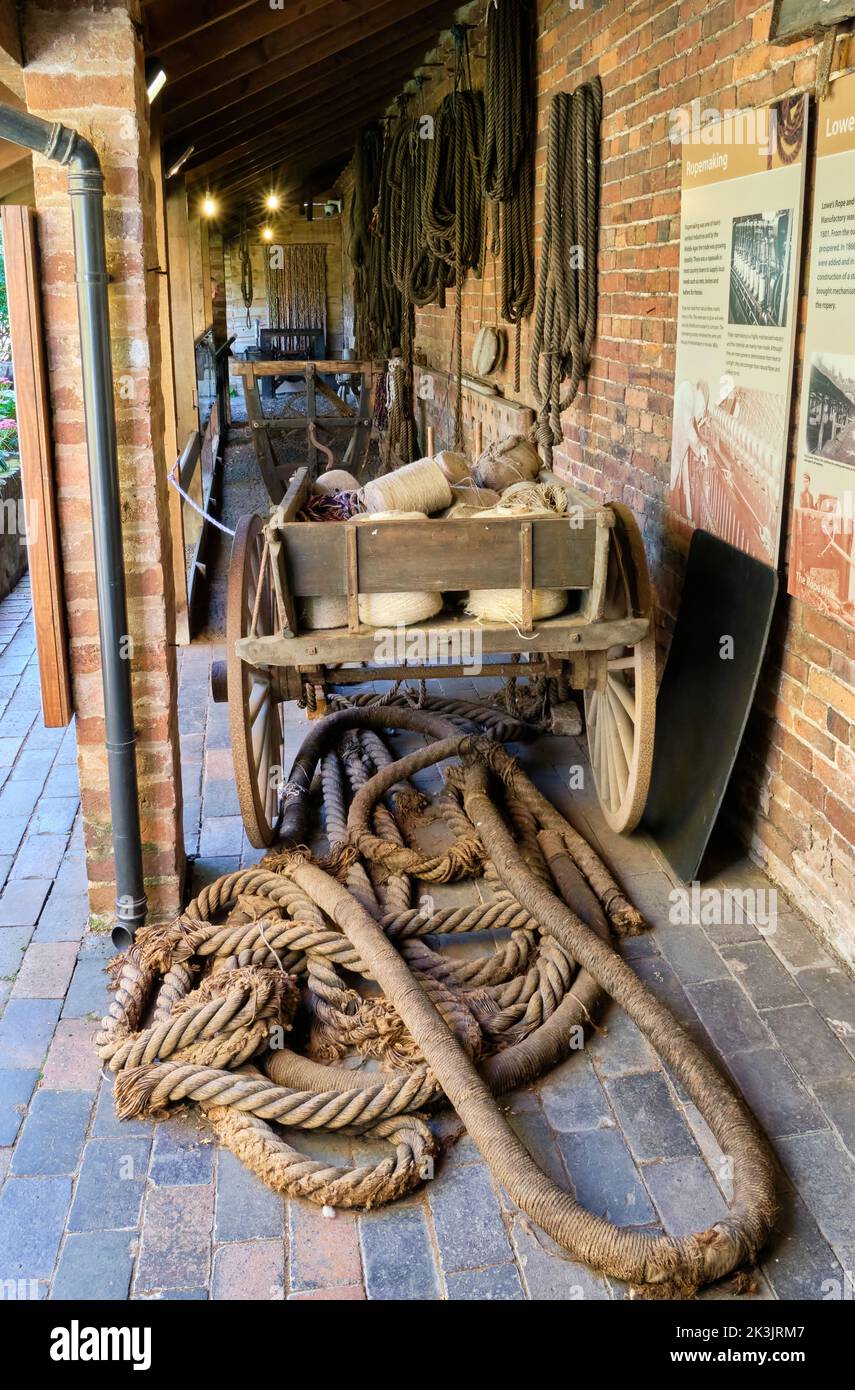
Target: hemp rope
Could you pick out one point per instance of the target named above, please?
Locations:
(565, 318)
(220, 996)
(508, 162)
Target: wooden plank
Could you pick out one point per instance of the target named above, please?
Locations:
(797, 19)
(560, 636)
(11, 58)
(311, 418)
(166, 23)
(189, 459)
(283, 57)
(324, 74)
(438, 555)
(526, 571)
(33, 414)
(328, 365)
(352, 565)
(261, 440)
(294, 498)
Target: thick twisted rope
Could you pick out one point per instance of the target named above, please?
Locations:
(565, 318)
(508, 165)
(217, 1031)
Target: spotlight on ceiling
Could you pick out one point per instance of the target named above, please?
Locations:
(155, 77)
(271, 202)
(266, 234)
(178, 164)
(209, 206)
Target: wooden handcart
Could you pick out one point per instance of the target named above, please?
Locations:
(265, 427)
(604, 643)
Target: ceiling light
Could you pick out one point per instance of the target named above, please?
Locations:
(271, 202)
(155, 77)
(178, 164)
(209, 206)
(267, 234)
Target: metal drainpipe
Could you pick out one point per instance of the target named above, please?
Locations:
(86, 189)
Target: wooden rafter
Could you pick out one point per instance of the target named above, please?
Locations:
(281, 56)
(362, 65)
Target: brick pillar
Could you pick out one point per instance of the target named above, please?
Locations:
(85, 69)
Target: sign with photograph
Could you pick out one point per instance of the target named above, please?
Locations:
(740, 235)
(822, 561)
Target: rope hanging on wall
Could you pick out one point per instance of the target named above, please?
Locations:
(246, 286)
(376, 298)
(297, 291)
(452, 207)
(566, 309)
(508, 163)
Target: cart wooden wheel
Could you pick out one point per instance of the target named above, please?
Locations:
(254, 714)
(621, 719)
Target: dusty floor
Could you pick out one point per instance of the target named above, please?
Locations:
(93, 1209)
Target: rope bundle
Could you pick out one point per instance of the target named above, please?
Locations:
(376, 300)
(297, 291)
(215, 1012)
(566, 308)
(508, 163)
(452, 207)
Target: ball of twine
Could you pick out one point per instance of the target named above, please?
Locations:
(454, 466)
(511, 460)
(335, 480)
(417, 487)
(505, 605)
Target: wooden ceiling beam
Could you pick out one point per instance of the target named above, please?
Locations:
(313, 105)
(297, 131)
(165, 23)
(228, 37)
(359, 62)
(281, 58)
(11, 58)
(287, 158)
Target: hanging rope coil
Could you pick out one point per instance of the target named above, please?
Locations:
(215, 1013)
(508, 162)
(247, 292)
(377, 300)
(452, 206)
(566, 307)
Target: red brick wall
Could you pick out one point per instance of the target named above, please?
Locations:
(795, 783)
(84, 68)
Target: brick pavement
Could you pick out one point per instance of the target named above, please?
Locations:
(93, 1209)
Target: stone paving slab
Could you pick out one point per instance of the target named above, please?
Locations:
(92, 1208)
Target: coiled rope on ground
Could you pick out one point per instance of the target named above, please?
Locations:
(565, 316)
(203, 1007)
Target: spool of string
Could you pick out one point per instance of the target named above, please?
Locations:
(417, 487)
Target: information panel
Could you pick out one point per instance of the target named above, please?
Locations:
(822, 562)
(740, 236)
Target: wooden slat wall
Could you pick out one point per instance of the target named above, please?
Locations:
(33, 412)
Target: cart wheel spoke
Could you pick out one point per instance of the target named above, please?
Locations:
(254, 718)
(620, 720)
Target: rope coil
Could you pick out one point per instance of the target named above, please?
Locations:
(225, 996)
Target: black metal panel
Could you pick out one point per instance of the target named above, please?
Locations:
(706, 695)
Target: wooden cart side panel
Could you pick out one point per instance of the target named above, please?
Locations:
(437, 556)
(33, 415)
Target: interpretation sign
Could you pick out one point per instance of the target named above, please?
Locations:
(822, 561)
(740, 234)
